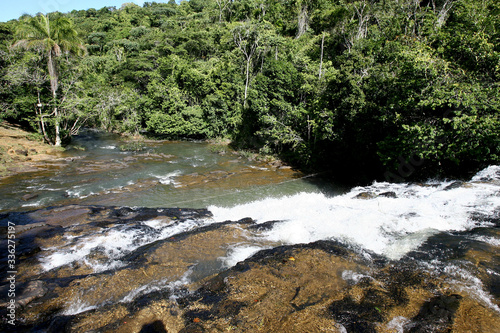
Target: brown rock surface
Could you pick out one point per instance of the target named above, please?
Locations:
(19, 152)
(177, 283)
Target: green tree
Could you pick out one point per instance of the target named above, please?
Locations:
(251, 39)
(53, 37)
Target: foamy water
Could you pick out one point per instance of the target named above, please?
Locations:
(385, 225)
(169, 177)
(114, 243)
(389, 226)
(390, 220)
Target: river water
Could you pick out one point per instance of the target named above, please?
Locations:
(95, 169)
(439, 225)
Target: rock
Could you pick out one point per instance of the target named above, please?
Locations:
(371, 195)
(365, 195)
(454, 185)
(436, 315)
(219, 173)
(22, 152)
(388, 195)
(276, 164)
(155, 327)
(285, 167)
(29, 196)
(33, 290)
(130, 159)
(22, 228)
(285, 288)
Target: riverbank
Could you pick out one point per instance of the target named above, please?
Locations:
(22, 151)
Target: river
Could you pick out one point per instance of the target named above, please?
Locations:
(95, 169)
(113, 226)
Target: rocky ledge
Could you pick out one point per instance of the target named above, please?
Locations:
(177, 282)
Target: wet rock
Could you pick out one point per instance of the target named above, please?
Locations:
(365, 195)
(355, 317)
(61, 216)
(276, 163)
(264, 226)
(33, 290)
(60, 324)
(312, 287)
(436, 315)
(272, 291)
(155, 327)
(22, 228)
(30, 196)
(25, 293)
(130, 159)
(454, 185)
(388, 195)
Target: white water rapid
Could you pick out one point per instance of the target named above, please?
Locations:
(391, 220)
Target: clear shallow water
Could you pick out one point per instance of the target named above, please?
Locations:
(95, 170)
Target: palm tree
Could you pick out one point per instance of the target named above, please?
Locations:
(53, 37)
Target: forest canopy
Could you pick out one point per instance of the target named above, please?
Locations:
(391, 89)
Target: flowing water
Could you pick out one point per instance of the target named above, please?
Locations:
(448, 229)
(96, 170)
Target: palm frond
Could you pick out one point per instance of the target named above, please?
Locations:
(57, 35)
(20, 44)
(33, 28)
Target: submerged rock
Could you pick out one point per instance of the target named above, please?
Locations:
(30, 196)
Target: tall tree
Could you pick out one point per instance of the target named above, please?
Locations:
(251, 39)
(53, 37)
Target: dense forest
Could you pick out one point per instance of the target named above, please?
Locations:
(391, 89)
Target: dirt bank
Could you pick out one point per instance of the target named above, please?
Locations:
(21, 151)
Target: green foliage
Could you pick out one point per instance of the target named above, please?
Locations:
(354, 87)
(133, 146)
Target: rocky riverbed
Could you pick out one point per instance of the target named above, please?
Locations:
(91, 249)
(166, 270)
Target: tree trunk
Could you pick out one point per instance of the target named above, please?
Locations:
(247, 82)
(321, 59)
(362, 21)
(248, 47)
(303, 20)
(57, 127)
(443, 13)
(53, 88)
(42, 123)
(222, 4)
